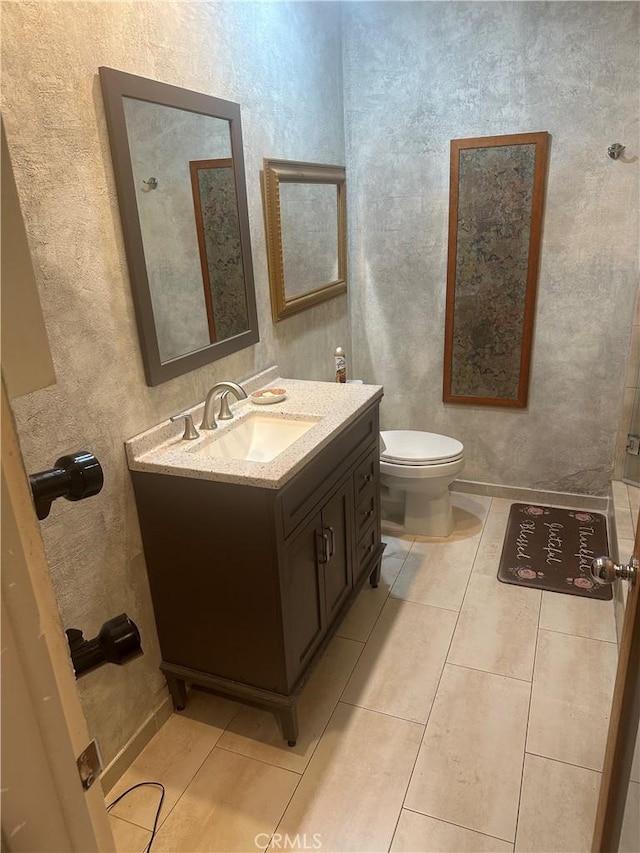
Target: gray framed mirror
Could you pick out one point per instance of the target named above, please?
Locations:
(305, 221)
(179, 172)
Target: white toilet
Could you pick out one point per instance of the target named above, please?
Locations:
(422, 465)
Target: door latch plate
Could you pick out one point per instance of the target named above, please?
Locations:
(633, 444)
(89, 765)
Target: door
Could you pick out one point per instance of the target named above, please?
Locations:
(303, 595)
(615, 786)
(336, 525)
(317, 577)
(40, 739)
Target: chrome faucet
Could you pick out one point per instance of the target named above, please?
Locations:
(208, 417)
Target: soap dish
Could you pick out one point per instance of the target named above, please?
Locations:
(268, 395)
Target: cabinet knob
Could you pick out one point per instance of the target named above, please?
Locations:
(370, 548)
(368, 513)
(367, 478)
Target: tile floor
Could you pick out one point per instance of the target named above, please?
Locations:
(450, 713)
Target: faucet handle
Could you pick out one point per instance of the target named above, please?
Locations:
(190, 432)
(225, 413)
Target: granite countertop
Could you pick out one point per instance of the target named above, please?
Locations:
(161, 449)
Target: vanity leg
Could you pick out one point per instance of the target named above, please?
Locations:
(374, 577)
(178, 690)
(289, 724)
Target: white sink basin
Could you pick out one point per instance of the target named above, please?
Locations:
(256, 438)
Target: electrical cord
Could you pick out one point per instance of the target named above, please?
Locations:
(155, 822)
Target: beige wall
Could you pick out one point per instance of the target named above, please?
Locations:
(625, 466)
(417, 75)
(26, 358)
(282, 63)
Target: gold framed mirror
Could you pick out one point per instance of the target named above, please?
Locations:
(305, 223)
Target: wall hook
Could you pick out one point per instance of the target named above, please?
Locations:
(74, 477)
(614, 151)
(152, 183)
(118, 642)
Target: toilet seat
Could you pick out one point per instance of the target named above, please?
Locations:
(416, 449)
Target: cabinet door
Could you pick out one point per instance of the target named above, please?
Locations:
(303, 595)
(337, 523)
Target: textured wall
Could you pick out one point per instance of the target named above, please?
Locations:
(282, 63)
(628, 466)
(420, 74)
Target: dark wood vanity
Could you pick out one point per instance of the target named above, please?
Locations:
(250, 583)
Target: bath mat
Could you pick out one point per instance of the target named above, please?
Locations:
(549, 548)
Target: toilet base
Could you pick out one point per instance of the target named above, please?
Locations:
(427, 507)
(392, 505)
(428, 515)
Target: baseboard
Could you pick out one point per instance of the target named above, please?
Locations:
(525, 495)
(132, 749)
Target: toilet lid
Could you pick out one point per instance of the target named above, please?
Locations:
(413, 447)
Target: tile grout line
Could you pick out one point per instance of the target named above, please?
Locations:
(130, 822)
(322, 733)
(299, 782)
(333, 710)
(423, 604)
(413, 767)
(377, 619)
(389, 596)
(382, 713)
(424, 726)
(364, 645)
(413, 601)
(526, 731)
(186, 787)
(578, 636)
(280, 766)
(435, 695)
(489, 672)
(566, 763)
(460, 826)
(426, 604)
(261, 760)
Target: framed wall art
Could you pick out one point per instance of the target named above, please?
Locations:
(495, 223)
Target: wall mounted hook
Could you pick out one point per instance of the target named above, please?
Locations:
(152, 183)
(74, 477)
(614, 151)
(118, 642)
